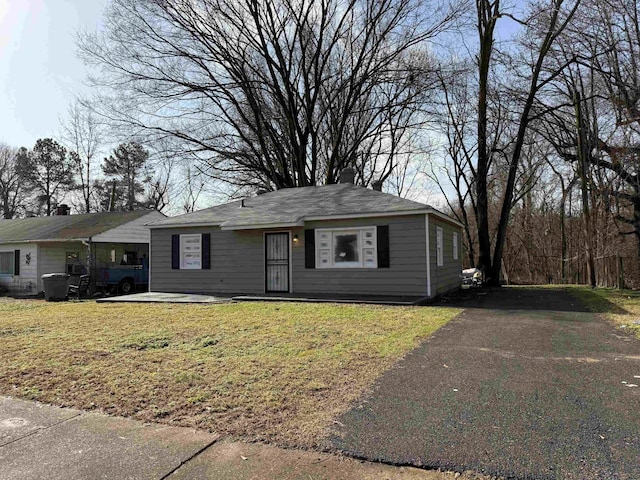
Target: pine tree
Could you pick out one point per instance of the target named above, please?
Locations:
(48, 170)
(124, 169)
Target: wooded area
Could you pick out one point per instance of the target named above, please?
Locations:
(526, 120)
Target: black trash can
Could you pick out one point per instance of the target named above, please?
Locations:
(55, 286)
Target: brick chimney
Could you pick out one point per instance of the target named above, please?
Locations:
(347, 175)
(377, 185)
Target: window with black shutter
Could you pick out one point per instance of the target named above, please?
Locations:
(191, 251)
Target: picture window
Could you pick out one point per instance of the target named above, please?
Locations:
(346, 248)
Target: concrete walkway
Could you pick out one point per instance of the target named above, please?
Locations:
(44, 442)
(160, 297)
(513, 390)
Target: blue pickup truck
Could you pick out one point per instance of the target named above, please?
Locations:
(125, 278)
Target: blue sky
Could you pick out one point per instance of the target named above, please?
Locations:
(39, 69)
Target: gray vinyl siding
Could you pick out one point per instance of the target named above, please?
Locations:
(447, 277)
(237, 263)
(407, 274)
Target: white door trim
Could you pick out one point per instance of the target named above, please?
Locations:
(264, 258)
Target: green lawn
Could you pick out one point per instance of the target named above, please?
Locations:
(620, 306)
(278, 372)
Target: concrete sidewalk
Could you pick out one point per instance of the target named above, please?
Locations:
(40, 441)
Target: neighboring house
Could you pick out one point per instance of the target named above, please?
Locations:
(324, 240)
(74, 244)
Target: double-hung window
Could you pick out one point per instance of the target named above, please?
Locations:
(6, 263)
(439, 247)
(346, 247)
(191, 252)
(455, 245)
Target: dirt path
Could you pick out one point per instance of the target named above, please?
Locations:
(528, 386)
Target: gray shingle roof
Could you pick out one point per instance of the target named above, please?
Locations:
(63, 227)
(294, 205)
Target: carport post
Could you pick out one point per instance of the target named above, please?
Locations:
(90, 266)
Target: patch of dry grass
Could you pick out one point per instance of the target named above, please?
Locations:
(620, 306)
(277, 372)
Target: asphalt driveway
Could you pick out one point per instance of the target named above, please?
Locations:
(530, 385)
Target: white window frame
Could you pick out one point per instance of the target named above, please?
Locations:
(454, 239)
(12, 257)
(183, 241)
(439, 247)
(367, 255)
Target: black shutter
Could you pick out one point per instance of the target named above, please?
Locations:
(175, 252)
(383, 246)
(206, 251)
(310, 248)
(16, 262)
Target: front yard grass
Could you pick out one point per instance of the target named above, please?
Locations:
(622, 307)
(276, 372)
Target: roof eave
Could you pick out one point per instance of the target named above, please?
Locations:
(447, 218)
(263, 226)
(47, 240)
(153, 226)
(423, 211)
(350, 216)
(300, 222)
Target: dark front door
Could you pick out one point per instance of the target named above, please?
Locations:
(277, 262)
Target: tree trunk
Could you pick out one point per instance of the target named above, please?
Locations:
(563, 239)
(487, 17)
(48, 199)
(551, 35)
(582, 172)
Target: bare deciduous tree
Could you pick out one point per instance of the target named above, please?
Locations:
(456, 171)
(82, 136)
(276, 93)
(11, 188)
(616, 37)
(546, 21)
(595, 123)
(193, 188)
(158, 178)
